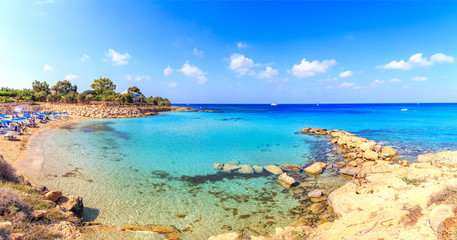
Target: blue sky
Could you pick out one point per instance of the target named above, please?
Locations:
(237, 52)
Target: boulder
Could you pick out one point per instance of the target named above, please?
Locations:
(351, 171)
(367, 146)
(340, 164)
(315, 193)
(53, 195)
(388, 151)
(305, 130)
(290, 168)
(218, 166)
(230, 168)
(438, 215)
(39, 214)
(72, 203)
(273, 169)
(315, 168)
(370, 155)
(246, 169)
(234, 162)
(286, 179)
(257, 169)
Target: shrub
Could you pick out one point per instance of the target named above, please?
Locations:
(7, 173)
(10, 200)
(410, 181)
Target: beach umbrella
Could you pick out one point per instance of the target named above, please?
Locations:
(9, 134)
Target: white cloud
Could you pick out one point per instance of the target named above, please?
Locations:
(241, 64)
(47, 68)
(346, 84)
(241, 45)
(346, 74)
(441, 58)
(70, 77)
(42, 2)
(85, 57)
(309, 69)
(419, 79)
(117, 58)
(194, 72)
(138, 78)
(197, 52)
(167, 71)
(172, 85)
(417, 60)
(394, 80)
(268, 73)
(377, 81)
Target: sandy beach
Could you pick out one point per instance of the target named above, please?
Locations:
(15, 152)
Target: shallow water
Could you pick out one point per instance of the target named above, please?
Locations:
(160, 169)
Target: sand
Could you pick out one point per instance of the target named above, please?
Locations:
(15, 152)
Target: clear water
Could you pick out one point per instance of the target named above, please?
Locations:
(160, 169)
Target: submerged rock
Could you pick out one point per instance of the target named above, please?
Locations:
(218, 166)
(257, 169)
(230, 167)
(273, 169)
(246, 169)
(234, 162)
(319, 207)
(290, 168)
(286, 179)
(315, 193)
(315, 168)
(170, 232)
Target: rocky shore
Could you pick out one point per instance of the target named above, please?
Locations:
(101, 111)
(387, 198)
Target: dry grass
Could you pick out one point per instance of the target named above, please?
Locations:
(447, 195)
(413, 215)
(11, 202)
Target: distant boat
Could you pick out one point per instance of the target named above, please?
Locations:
(404, 109)
(274, 104)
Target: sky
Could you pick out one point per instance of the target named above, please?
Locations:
(237, 51)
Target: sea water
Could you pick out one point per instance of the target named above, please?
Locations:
(160, 169)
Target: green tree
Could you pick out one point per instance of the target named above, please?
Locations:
(134, 89)
(40, 86)
(64, 87)
(103, 85)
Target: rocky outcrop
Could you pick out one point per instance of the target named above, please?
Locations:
(286, 179)
(218, 166)
(53, 195)
(230, 168)
(245, 169)
(72, 204)
(257, 169)
(101, 111)
(290, 168)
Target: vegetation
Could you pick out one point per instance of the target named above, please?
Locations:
(103, 89)
(410, 181)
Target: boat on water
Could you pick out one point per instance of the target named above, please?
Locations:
(274, 104)
(404, 109)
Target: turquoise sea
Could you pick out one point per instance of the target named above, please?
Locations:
(160, 169)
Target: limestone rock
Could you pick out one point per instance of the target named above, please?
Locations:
(388, 151)
(351, 171)
(39, 214)
(315, 193)
(438, 215)
(370, 155)
(315, 168)
(426, 158)
(273, 169)
(230, 168)
(246, 169)
(367, 146)
(53, 195)
(340, 164)
(16, 236)
(319, 207)
(257, 169)
(290, 168)
(446, 158)
(5, 224)
(67, 230)
(286, 179)
(72, 203)
(218, 166)
(234, 162)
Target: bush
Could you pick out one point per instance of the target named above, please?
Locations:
(11, 202)
(7, 173)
